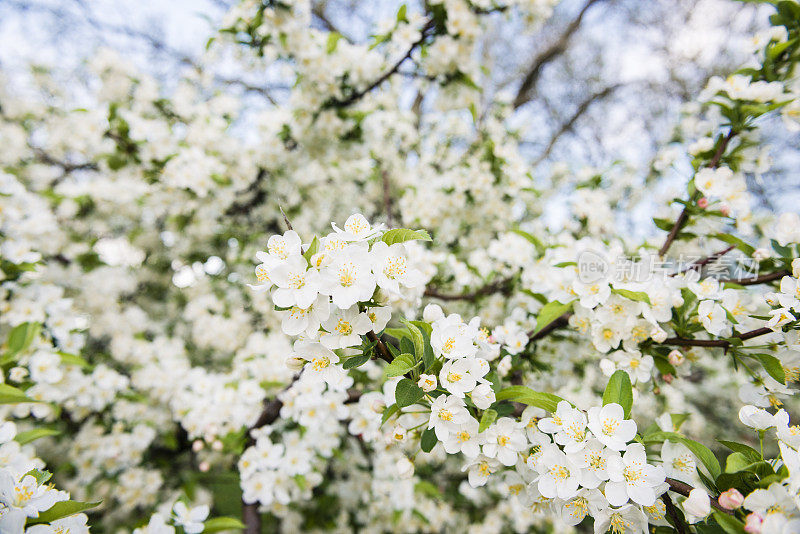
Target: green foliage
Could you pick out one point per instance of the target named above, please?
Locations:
(620, 391)
(525, 395)
(401, 235)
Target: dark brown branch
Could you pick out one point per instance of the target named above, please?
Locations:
(286, 219)
(705, 261)
(570, 123)
(357, 95)
(684, 215)
(722, 343)
(555, 325)
(763, 279)
(380, 349)
(681, 488)
(672, 512)
(548, 55)
(499, 286)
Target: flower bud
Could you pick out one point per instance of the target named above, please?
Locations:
(427, 383)
(731, 499)
(668, 378)
(405, 469)
(676, 357)
(432, 312)
(198, 445)
(752, 523)
(658, 334)
(483, 396)
(217, 445)
(725, 210)
(702, 203)
(295, 364)
(697, 504)
(203, 466)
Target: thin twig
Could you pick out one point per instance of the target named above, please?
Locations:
(684, 215)
(684, 489)
(381, 351)
(672, 511)
(285, 219)
(499, 286)
(771, 277)
(722, 343)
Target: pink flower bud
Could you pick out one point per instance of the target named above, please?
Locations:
(726, 210)
(676, 357)
(204, 467)
(198, 445)
(702, 203)
(668, 378)
(731, 499)
(752, 524)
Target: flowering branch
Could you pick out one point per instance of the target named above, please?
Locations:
(499, 286)
(722, 343)
(771, 277)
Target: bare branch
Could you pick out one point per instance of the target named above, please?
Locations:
(548, 55)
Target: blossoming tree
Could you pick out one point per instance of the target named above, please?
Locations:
(438, 357)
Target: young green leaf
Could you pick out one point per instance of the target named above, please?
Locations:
(401, 235)
(217, 524)
(488, 417)
(428, 440)
(525, 395)
(619, 390)
(407, 393)
(549, 313)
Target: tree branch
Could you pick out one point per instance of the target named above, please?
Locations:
(684, 215)
(722, 343)
(548, 55)
(681, 488)
(357, 95)
(771, 277)
(381, 349)
(499, 286)
(568, 125)
(672, 511)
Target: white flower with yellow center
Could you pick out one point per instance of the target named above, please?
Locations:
(789, 434)
(349, 279)
(504, 441)
(466, 439)
(297, 284)
(26, 495)
(322, 361)
(586, 502)
(609, 426)
(713, 318)
(479, 470)
(631, 477)
(572, 434)
(296, 320)
(628, 519)
(452, 338)
(448, 413)
(379, 316)
(679, 462)
(559, 476)
(427, 382)
(593, 293)
(553, 425)
(593, 459)
(457, 376)
(357, 228)
(344, 328)
(279, 249)
(392, 269)
(483, 396)
(780, 317)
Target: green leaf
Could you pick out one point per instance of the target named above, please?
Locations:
(388, 412)
(407, 393)
(488, 417)
(333, 40)
(428, 440)
(312, 249)
(61, 510)
(525, 395)
(30, 435)
(549, 313)
(401, 235)
(772, 366)
(400, 365)
(401, 13)
(218, 524)
(619, 390)
(356, 361)
(40, 476)
(735, 241)
(21, 336)
(536, 242)
(418, 339)
(639, 296)
(397, 333)
(73, 359)
(751, 454)
(728, 523)
(736, 462)
(12, 395)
